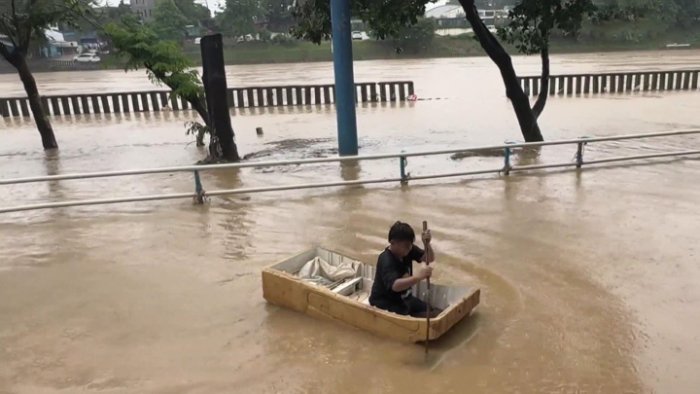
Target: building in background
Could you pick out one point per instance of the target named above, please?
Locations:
(56, 45)
(143, 9)
(452, 21)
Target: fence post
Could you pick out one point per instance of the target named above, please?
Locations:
(402, 166)
(506, 160)
(579, 155)
(199, 195)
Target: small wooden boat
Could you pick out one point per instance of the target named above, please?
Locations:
(325, 284)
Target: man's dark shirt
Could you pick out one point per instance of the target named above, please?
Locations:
(389, 269)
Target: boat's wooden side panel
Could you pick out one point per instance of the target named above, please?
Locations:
(440, 326)
(281, 289)
(361, 316)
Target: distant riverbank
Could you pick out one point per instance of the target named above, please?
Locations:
(440, 47)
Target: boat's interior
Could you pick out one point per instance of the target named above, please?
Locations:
(353, 279)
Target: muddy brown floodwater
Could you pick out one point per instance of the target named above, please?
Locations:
(589, 279)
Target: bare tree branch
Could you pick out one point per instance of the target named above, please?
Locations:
(22, 29)
(544, 91)
(16, 25)
(487, 40)
(490, 44)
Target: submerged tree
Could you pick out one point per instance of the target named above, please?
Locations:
(529, 28)
(165, 64)
(23, 22)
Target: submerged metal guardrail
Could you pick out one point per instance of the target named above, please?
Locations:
(614, 82)
(404, 177)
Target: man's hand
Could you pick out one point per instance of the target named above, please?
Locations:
(426, 237)
(425, 272)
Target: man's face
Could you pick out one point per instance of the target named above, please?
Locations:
(401, 248)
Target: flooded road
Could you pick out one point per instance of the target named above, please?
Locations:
(589, 279)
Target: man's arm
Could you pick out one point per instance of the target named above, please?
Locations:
(404, 283)
(407, 282)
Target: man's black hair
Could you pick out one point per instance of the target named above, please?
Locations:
(401, 232)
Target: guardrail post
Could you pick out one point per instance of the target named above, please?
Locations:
(506, 160)
(579, 154)
(199, 190)
(402, 165)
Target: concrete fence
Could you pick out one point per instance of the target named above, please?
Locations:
(650, 81)
(244, 97)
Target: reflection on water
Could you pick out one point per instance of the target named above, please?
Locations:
(350, 170)
(528, 156)
(52, 161)
(588, 277)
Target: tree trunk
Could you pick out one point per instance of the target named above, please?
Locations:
(214, 79)
(48, 139)
(544, 87)
(521, 104)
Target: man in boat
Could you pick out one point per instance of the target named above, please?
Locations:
(394, 276)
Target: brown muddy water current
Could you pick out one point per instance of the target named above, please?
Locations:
(589, 279)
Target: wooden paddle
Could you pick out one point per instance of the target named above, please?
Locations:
(427, 315)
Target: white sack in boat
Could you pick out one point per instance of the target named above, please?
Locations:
(319, 268)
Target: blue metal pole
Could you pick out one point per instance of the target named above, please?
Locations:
(344, 78)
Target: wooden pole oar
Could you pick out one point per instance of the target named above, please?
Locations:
(427, 314)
